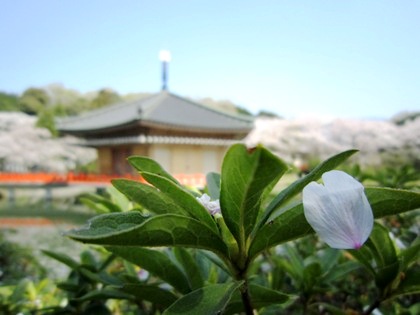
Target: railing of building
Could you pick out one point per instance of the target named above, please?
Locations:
(194, 180)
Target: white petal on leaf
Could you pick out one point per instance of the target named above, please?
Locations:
(338, 210)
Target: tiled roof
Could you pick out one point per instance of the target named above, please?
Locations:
(164, 109)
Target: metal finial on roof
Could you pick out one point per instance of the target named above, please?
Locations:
(165, 57)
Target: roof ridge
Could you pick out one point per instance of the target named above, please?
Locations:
(152, 102)
(105, 109)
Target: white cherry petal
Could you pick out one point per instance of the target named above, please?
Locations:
(338, 210)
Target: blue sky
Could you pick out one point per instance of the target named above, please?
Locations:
(350, 59)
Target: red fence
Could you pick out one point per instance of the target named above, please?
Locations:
(196, 180)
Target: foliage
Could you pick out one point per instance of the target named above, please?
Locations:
(111, 200)
(29, 297)
(164, 253)
(402, 177)
(268, 114)
(8, 102)
(46, 120)
(105, 97)
(21, 287)
(16, 263)
(33, 101)
(220, 271)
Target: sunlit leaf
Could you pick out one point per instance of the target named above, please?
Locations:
(328, 258)
(260, 297)
(410, 283)
(388, 201)
(381, 246)
(183, 198)
(190, 267)
(340, 271)
(103, 294)
(63, 258)
(383, 251)
(213, 185)
(364, 256)
(245, 176)
(147, 196)
(99, 204)
(151, 293)
(156, 262)
(133, 229)
(286, 227)
(211, 299)
(410, 255)
(145, 164)
(119, 199)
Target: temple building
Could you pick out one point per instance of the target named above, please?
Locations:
(185, 137)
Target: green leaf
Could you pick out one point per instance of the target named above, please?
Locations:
(104, 294)
(329, 258)
(69, 286)
(94, 276)
(119, 199)
(109, 224)
(213, 185)
(245, 176)
(382, 248)
(150, 293)
(63, 258)
(211, 299)
(260, 297)
(286, 227)
(99, 204)
(216, 261)
(147, 196)
(190, 266)
(294, 272)
(148, 165)
(388, 201)
(295, 259)
(183, 199)
(133, 229)
(333, 310)
(291, 263)
(410, 255)
(364, 256)
(156, 262)
(410, 283)
(311, 275)
(298, 185)
(340, 271)
(101, 277)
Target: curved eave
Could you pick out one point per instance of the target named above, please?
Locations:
(117, 127)
(157, 125)
(167, 126)
(147, 139)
